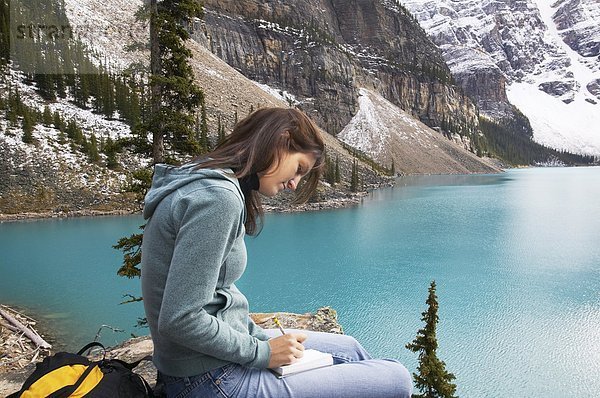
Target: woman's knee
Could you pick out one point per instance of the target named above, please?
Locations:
(402, 379)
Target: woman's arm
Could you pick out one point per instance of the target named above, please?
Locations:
(256, 330)
(209, 222)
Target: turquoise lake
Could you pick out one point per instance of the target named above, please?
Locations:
(516, 259)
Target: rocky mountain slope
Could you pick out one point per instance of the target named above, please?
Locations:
(539, 57)
(324, 51)
(375, 130)
(324, 79)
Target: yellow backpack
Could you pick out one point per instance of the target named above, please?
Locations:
(65, 375)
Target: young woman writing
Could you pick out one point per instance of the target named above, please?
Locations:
(193, 252)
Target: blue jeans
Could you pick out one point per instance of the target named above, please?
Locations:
(354, 374)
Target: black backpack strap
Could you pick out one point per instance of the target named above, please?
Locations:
(67, 391)
(133, 365)
(149, 390)
(91, 345)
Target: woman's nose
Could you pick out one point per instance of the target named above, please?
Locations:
(292, 184)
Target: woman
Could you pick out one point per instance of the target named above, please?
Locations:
(205, 344)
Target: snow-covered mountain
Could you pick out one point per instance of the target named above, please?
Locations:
(544, 55)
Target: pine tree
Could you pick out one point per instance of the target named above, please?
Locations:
(220, 130)
(174, 94)
(58, 122)
(28, 125)
(47, 118)
(174, 101)
(432, 379)
(110, 150)
(4, 32)
(329, 171)
(354, 177)
(93, 149)
(71, 130)
(204, 141)
(12, 115)
(45, 86)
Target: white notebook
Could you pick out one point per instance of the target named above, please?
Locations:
(312, 359)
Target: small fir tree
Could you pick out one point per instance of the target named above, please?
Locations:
(354, 177)
(204, 141)
(432, 379)
(93, 149)
(329, 174)
(28, 125)
(47, 118)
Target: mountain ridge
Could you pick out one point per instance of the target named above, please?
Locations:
(511, 52)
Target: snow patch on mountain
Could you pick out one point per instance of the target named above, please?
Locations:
(569, 117)
(556, 87)
(70, 168)
(388, 134)
(366, 131)
(109, 32)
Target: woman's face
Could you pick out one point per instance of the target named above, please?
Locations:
(286, 174)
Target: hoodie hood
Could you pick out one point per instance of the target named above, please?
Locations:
(167, 179)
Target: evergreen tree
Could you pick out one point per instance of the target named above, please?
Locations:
(354, 177)
(174, 100)
(110, 150)
(28, 125)
(220, 130)
(15, 104)
(432, 379)
(62, 138)
(93, 149)
(71, 130)
(12, 115)
(58, 122)
(4, 32)
(329, 171)
(47, 118)
(204, 140)
(81, 90)
(174, 94)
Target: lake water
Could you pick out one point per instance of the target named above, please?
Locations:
(516, 258)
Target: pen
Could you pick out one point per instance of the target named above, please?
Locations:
(276, 320)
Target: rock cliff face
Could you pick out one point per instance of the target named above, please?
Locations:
(578, 22)
(540, 56)
(482, 47)
(323, 51)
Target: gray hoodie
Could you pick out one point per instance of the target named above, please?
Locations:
(192, 253)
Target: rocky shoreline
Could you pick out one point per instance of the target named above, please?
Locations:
(338, 201)
(14, 374)
(61, 214)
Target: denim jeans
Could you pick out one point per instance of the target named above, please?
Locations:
(354, 374)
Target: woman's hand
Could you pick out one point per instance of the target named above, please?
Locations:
(286, 349)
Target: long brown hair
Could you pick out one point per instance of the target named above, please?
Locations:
(257, 142)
